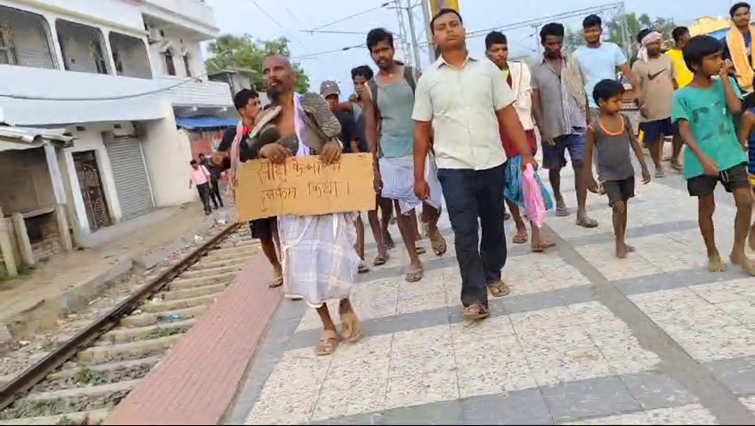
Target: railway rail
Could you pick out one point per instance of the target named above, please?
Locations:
(88, 375)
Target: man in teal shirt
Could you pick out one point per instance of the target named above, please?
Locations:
(704, 110)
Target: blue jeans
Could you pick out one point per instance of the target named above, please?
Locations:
(471, 195)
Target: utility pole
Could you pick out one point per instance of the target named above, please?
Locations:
(413, 33)
(402, 32)
(428, 31)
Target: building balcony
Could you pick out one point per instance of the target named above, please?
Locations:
(68, 97)
(197, 97)
(188, 15)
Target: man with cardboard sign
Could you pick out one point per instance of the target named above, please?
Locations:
(304, 186)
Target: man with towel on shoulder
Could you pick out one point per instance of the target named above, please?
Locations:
(738, 49)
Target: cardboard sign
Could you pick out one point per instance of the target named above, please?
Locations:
(304, 186)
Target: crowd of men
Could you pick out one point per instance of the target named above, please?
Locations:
(465, 132)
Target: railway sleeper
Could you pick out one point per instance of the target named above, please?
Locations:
(93, 417)
(188, 293)
(149, 318)
(125, 335)
(228, 261)
(223, 253)
(156, 305)
(203, 281)
(127, 351)
(207, 272)
(60, 402)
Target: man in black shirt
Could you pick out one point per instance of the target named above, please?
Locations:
(247, 104)
(351, 144)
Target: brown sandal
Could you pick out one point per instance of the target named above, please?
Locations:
(381, 259)
(327, 344)
(499, 289)
(414, 275)
(352, 331)
(277, 281)
(420, 250)
(476, 312)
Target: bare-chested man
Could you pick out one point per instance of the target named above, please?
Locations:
(319, 261)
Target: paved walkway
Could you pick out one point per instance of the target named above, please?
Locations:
(583, 337)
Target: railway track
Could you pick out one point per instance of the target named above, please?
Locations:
(87, 376)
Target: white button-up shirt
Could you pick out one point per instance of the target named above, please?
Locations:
(462, 104)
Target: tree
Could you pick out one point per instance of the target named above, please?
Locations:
(245, 54)
(634, 24)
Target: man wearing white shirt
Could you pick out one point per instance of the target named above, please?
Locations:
(455, 101)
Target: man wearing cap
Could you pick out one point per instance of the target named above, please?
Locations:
(352, 143)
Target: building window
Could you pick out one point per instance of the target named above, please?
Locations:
(118, 62)
(170, 67)
(7, 51)
(187, 66)
(99, 58)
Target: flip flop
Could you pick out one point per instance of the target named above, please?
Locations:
(520, 238)
(438, 243)
(562, 211)
(499, 289)
(381, 259)
(414, 275)
(420, 250)
(363, 269)
(277, 281)
(475, 312)
(587, 222)
(544, 245)
(327, 344)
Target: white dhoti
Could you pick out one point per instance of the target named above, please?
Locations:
(398, 182)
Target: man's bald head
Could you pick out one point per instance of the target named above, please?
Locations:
(279, 75)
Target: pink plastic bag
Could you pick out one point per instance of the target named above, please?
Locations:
(534, 206)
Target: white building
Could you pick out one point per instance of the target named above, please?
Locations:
(110, 72)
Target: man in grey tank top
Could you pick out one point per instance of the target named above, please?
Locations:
(392, 96)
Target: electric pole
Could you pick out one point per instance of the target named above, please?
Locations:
(428, 31)
(413, 33)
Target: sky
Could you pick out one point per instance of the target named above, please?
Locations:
(268, 19)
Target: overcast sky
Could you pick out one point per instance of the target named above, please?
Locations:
(291, 16)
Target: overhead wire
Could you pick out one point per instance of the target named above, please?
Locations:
(346, 18)
(275, 21)
(105, 98)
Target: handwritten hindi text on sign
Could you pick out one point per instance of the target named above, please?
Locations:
(304, 186)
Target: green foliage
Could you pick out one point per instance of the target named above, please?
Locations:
(245, 54)
(634, 24)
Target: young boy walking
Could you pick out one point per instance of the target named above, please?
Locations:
(704, 110)
(610, 134)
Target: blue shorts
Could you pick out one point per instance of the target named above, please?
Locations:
(654, 130)
(554, 157)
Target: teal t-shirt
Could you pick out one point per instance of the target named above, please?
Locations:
(712, 126)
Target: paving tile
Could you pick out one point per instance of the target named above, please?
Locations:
(420, 389)
(738, 375)
(493, 366)
(438, 413)
(285, 409)
(693, 414)
(349, 373)
(525, 407)
(362, 396)
(655, 390)
(576, 400)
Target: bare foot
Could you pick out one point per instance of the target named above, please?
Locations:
(748, 266)
(716, 264)
(388, 240)
(629, 249)
(621, 251)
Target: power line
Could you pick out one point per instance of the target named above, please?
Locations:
(275, 21)
(111, 98)
(327, 52)
(337, 21)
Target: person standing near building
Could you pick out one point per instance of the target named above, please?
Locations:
(657, 76)
(200, 178)
(214, 177)
(247, 105)
(392, 94)
(599, 61)
(465, 101)
(519, 78)
(559, 105)
(683, 77)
